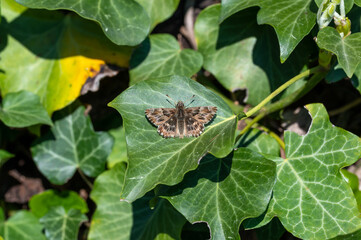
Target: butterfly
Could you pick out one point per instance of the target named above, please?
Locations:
(180, 121)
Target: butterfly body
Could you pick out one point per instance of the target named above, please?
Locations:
(180, 121)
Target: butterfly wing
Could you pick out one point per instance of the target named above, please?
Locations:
(196, 117)
(159, 116)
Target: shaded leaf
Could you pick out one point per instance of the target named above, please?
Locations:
(224, 192)
(123, 22)
(347, 50)
(310, 197)
(22, 225)
(4, 156)
(114, 219)
(272, 231)
(159, 56)
(156, 160)
(41, 203)
(62, 224)
(291, 19)
(243, 55)
(23, 109)
(52, 53)
(119, 151)
(76, 145)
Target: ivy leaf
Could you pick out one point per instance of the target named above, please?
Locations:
(41, 203)
(22, 225)
(159, 56)
(119, 151)
(347, 50)
(291, 19)
(115, 220)
(23, 109)
(239, 55)
(236, 187)
(310, 197)
(58, 51)
(155, 160)
(61, 224)
(4, 156)
(75, 145)
(123, 22)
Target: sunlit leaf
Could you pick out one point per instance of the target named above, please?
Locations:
(119, 151)
(223, 192)
(41, 203)
(61, 224)
(153, 159)
(52, 53)
(74, 146)
(23, 109)
(116, 220)
(159, 56)
(22, 225)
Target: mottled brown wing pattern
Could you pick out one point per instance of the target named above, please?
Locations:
(159, 116)
(196, 117)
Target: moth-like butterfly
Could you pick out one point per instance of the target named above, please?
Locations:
(180, 121)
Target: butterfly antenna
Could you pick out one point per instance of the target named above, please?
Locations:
(190, 101)
(174, 103)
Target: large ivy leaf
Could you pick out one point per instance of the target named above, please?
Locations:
(4, 156)
(123, 22)
(223, 192)
(241, 54)
(75, 145)
(61, 224)
(23, 109)
(41, 203)
(154, 160)
(52, 53)
(22, 225)
(310, 197)
(291, 19)
(347, 50)
(159, 56)
(121, 220)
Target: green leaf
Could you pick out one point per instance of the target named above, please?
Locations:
(291, 19)
(159, 56)
(52, 53)
(155, 160)
(123, 22)
(4, 156)
(243, 55)
(158, 10)
(310, 197)
(347, 50)
(358, 2)
(352, 236)
(23, 109)
(272, 231)
(41, 203)
(224, 192)
(260, 142)
(119, 151)
(76, 145)
(61, 224)
(115, 220)
(22, 225)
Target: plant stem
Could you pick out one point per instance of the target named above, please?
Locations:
(281, 88)
(345, 107)
(86, 180)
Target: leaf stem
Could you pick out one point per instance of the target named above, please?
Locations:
(345, 107)
(86, 180)
(281, 88)
(275, 136)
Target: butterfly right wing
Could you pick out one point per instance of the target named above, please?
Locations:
(159, 116)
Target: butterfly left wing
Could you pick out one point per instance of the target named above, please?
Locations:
(196, 117)
(159, 116)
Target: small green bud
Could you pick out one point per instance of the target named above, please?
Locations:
(343, 26)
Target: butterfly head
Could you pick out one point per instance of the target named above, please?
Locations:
(180, 104)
